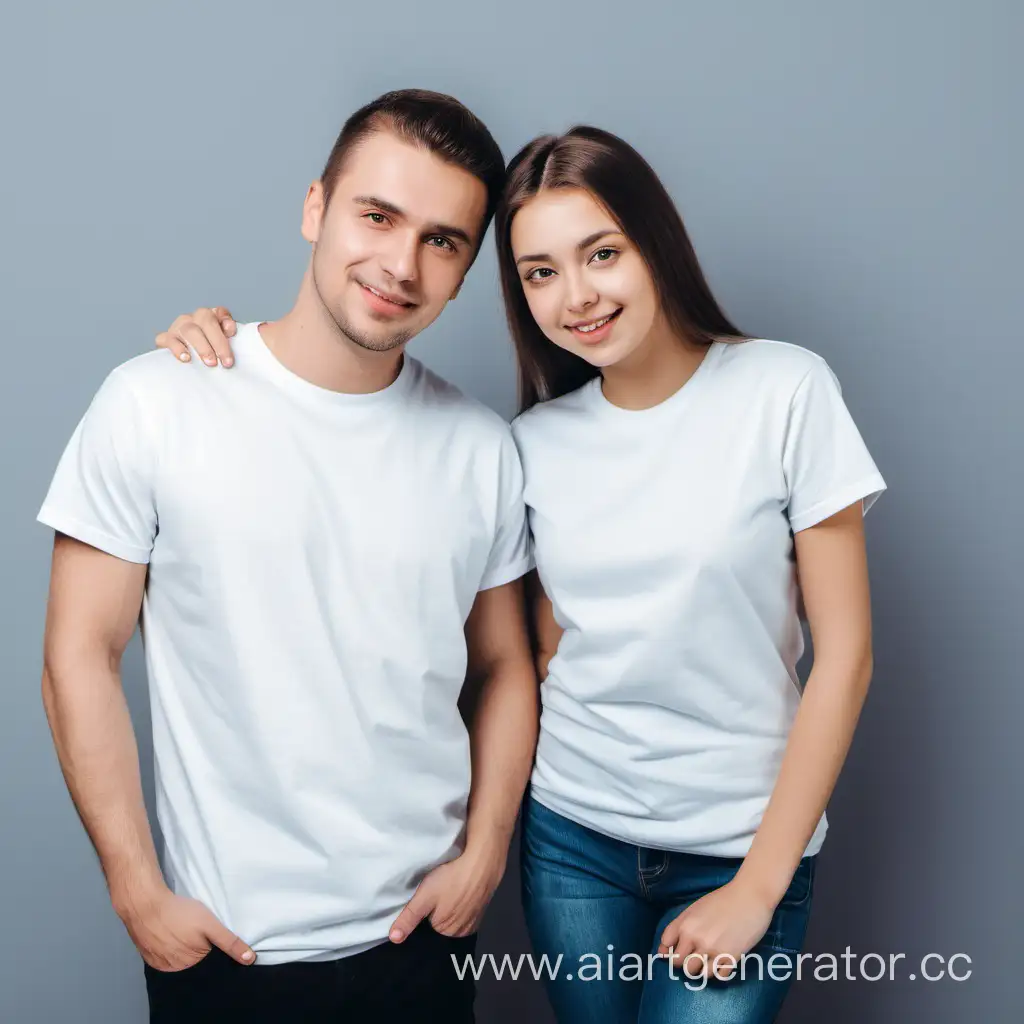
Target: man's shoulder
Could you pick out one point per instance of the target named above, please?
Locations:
(450, 401)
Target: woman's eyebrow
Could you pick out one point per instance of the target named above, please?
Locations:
(543, 257)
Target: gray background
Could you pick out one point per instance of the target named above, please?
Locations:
(850, 176)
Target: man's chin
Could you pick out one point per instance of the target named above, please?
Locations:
(373, 337)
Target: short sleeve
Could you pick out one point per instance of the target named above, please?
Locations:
(511, 553)
(102, 491)
(827, 466)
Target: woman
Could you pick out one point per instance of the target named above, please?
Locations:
(681, 480)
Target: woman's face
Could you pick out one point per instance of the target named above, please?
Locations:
(588, 287)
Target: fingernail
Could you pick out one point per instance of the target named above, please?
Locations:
(210, 361)
(247, 955)
(396, 934)
(184, 357)
(227, 360)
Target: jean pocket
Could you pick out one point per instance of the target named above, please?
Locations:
(789, 922)
(798, 893)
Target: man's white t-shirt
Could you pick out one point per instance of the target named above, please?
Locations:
(313, 557)
(663, 538)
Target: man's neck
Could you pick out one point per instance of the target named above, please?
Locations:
(312, 347)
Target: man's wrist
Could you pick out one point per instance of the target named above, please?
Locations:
(488, 842)
(133, 896)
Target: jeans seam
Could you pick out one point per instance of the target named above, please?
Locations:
(647, 876)
(662, 868)
(640, 874)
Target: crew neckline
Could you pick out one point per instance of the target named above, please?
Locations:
(289, 379)
(683, 394)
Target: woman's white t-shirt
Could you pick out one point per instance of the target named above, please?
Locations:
(664, 539)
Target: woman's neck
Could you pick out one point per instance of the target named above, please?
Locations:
(654, 372)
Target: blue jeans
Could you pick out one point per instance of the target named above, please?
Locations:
(586, 893)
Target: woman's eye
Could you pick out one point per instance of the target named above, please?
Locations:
(604, 255)
(539, 274)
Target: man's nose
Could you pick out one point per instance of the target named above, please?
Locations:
(401, 261)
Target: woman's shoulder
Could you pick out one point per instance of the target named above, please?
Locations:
(769, 363)
(771, 352)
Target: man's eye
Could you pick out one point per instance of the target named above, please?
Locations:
(377, 218)
(440, 242)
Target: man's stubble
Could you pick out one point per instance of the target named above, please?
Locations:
(359, 338)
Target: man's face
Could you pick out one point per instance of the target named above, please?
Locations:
(395, 241)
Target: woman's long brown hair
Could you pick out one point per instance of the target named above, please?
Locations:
(625, 184)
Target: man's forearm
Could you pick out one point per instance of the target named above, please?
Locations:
(96, 747)
(503, 738)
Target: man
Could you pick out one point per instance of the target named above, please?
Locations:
(325, 544)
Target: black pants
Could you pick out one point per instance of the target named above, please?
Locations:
(413, 982)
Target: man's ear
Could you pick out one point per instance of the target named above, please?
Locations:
(313, 208)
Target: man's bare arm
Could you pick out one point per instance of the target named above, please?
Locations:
(91, 615)
(92, 611)
(503, 730)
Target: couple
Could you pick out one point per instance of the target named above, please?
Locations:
(350, 577)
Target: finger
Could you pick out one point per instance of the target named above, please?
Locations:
(723, 966)
(210, 324)
(670, 936)
(225, 939)
(227, 321)
(694, 964)
(451, 927)
(174, 345)
(193, 335)
(412, 914)
(679, 952)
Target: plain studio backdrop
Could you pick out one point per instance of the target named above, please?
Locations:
(850, 175)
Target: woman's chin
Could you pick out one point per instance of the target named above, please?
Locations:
(604, 355)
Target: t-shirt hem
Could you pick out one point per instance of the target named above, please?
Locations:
(287, 956)
(868, 490)
(506, 574)
(729, 848)
(92, 535)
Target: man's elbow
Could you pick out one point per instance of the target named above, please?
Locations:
(67, 661)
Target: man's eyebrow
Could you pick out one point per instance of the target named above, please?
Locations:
(449, 229)
(381, 204)
(543, 257)
(431, 229)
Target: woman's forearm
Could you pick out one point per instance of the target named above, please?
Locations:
(816, 750)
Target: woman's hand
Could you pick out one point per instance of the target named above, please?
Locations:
(726, 923)
(207, 331)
